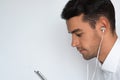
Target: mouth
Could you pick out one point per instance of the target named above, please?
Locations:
(82, 51)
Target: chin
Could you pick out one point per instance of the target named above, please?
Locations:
(87, 58)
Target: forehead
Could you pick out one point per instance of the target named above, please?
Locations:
(74, 20)
(76, 23)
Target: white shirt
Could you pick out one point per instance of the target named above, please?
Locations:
(111, 65)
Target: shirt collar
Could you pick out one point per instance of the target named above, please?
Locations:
(111, 62)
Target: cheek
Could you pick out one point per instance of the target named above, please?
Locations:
(94, 45)
(91, 41)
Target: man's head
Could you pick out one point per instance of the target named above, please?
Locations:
(92, 10)
(84, 19)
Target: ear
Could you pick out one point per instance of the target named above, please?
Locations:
(103, 22)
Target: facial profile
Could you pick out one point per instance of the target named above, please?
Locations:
(84, 38)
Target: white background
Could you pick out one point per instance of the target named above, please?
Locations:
(34, 37)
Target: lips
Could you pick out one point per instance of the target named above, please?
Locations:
(82, 51)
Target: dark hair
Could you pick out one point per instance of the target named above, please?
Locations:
(92, 10)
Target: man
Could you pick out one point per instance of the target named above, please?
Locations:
(92, 25)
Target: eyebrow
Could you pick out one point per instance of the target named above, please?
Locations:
(76, 30)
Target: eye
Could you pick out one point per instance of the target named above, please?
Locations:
(79, 34)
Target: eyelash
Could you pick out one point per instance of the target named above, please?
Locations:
(79, 35)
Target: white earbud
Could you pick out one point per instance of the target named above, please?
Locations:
(103, 29)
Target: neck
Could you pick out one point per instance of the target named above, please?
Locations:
(106, 47)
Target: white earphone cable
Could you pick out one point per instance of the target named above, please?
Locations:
(99, 48)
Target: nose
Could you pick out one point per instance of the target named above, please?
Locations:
(75, 41)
